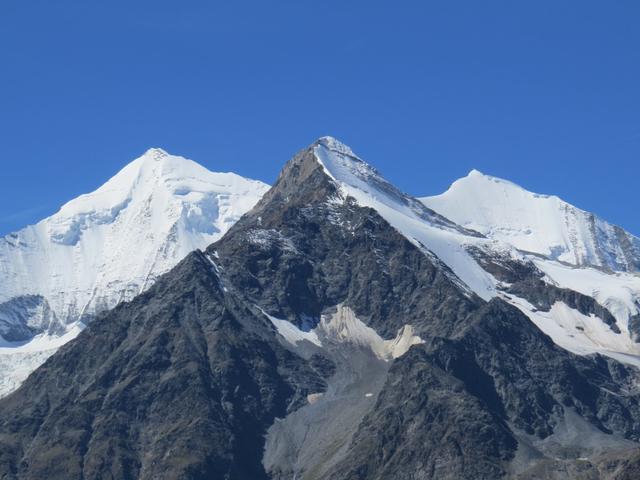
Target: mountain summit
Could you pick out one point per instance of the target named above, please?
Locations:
(342, 329)
(108, 246)
(540, 224)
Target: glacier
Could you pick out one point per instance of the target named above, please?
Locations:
(106, 247)
(540, 224)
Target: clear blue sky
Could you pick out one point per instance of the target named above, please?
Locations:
(544, 93)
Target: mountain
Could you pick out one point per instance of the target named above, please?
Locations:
(106, 247)
(340, 329)
(540, 224)
(557, 246)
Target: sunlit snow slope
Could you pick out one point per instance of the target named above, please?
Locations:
(110, 245)
(535, 223)
(574, 250)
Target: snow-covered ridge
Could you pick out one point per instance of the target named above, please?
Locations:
(541, 224)
(354, 175)
(111, 244)
(429, 230)
(518, 225)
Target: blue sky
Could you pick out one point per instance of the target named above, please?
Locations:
(543, 93)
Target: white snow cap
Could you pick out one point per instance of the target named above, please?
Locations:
(531, 222)
(336, 145)
(156, 177)
(111, 244)
(108, 245)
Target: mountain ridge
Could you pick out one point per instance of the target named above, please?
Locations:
(265, 356)
(536, 223)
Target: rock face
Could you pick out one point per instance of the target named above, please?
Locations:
(321, 337)
(180, 383)
(27, 315)
(300, 251)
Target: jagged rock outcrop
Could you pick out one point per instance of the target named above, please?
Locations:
(525, 280)
(27, 315)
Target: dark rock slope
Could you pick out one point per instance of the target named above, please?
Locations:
(185, 381)
(493, 401)
(180, 383)
(296, 254)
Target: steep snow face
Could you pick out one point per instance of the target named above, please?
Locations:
(111, 244)
(105, 247)
(427, 229)
(541, 224)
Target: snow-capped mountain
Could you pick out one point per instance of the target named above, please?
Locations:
(108, 246)
(340, 329)
(567, 247)
(429, 230)
(541, 224)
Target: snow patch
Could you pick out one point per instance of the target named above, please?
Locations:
(292, 333)
(579, 333)
(617, 292)
(342, 326)
(266, 238)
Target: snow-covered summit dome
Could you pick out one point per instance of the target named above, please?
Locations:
(109, 244)
(536, 223)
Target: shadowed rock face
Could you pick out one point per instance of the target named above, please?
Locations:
(297, 254)
(187, 380)
(180, 383)
(463, 407)
(634, 327)
(23, 317)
